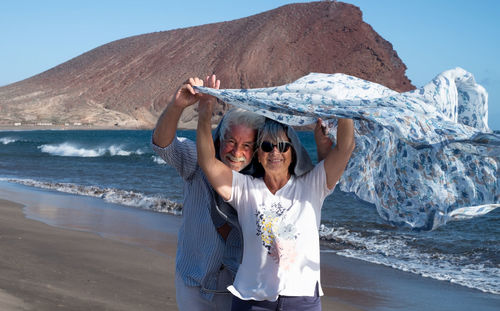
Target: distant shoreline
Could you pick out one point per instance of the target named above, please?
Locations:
(64, 127)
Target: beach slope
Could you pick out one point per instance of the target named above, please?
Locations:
(48, 268)
(44, 268)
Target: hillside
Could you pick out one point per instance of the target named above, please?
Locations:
(128, 82)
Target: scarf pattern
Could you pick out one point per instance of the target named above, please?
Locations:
(422, 157)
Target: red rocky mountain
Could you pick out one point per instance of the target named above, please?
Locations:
(128, 82)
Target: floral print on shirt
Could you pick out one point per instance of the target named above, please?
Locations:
(278, 236)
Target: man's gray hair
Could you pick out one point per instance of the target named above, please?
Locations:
(238, 116)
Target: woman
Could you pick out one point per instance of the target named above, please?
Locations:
(279, 213)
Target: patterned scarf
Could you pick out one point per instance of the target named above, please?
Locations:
(422, 157)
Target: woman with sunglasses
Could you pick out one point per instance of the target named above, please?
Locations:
(279, 212)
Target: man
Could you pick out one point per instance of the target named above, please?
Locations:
(208, 249)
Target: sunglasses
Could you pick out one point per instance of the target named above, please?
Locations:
(283, 146)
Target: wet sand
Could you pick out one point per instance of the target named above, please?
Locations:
(48, 268)
(112, 258)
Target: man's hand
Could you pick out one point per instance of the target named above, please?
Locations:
(166, 126)
(186, 95)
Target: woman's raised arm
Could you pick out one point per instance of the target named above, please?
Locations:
(219, 175)
(338, 157)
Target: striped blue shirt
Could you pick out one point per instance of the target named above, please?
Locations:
(201, 251)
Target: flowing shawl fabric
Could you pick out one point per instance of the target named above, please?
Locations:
(422, 157)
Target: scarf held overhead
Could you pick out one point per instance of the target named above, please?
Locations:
(422, 157)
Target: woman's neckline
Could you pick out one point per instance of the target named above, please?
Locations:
(278, 188)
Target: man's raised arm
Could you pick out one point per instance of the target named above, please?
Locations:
(166, 126)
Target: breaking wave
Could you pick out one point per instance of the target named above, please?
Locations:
(158, 160)
(399, 252)
(7, 140)
(111, 195)
(72, 150)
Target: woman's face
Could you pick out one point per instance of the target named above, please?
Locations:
(275, 161)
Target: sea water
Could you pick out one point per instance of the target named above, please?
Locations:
(119, 166)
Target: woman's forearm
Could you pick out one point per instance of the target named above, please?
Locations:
(218, 174)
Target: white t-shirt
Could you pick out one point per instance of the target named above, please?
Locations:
(280, 234)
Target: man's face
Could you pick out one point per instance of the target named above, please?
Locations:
(236, 149)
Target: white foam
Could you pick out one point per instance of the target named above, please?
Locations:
(69, 150)
(117, 196)
(397, 251)
(7, 140)
(158, 160)
(72, 150)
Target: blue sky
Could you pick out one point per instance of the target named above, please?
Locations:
(430, 36)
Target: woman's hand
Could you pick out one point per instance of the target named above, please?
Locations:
(207, 102)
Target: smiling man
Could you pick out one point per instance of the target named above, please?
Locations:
(208, 248)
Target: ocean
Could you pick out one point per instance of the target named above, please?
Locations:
(119, 166)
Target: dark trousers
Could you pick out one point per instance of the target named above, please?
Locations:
(284, 303)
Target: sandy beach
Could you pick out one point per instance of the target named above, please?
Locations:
(105, 262)
(48, 268)
(68, 252)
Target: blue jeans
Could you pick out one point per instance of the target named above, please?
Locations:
(284, 303)
(190, 298)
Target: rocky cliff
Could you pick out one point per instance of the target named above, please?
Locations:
(128, 82)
